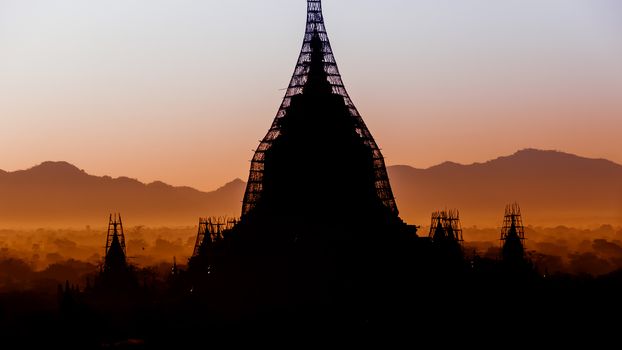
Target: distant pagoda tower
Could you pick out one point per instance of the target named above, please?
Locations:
(446, 227)
(318, 160)
(115, 245)
(210, 234)
(116, 271)
(446, 236)
(513, 236)
(204, 238)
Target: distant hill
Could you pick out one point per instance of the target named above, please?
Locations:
(59, 194)
(553, 188)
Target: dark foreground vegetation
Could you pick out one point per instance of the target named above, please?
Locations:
(408, 288)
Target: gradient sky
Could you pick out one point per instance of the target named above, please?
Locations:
(182, 91)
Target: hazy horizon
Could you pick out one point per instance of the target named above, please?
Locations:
(554, 188)
(182, 92)
(566, 249)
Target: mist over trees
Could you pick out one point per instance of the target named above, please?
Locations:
(43, 258)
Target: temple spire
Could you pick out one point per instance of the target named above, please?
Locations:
(115, 245)
(316, 99)
(513, 235)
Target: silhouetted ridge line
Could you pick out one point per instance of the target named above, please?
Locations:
(57, 194)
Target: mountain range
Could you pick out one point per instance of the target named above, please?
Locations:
(553, 188)
(58, 194)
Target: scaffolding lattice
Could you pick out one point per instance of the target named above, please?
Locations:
(115, 228)
(316, 39)
(446, 226)
(211, 230)
(513, 224)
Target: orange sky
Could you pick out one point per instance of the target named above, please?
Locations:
(182, 94)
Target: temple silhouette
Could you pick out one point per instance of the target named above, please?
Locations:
(318, 215)
(513, 257)
(446, 237)
(115, 273)
(318, 160)
(513, 235)
(317, 180)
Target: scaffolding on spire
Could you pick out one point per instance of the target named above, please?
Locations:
(115, 256)
(116, 273)
(446, 226)
(211, 230)
(315, 103)
(513, 234)
(115, 229)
